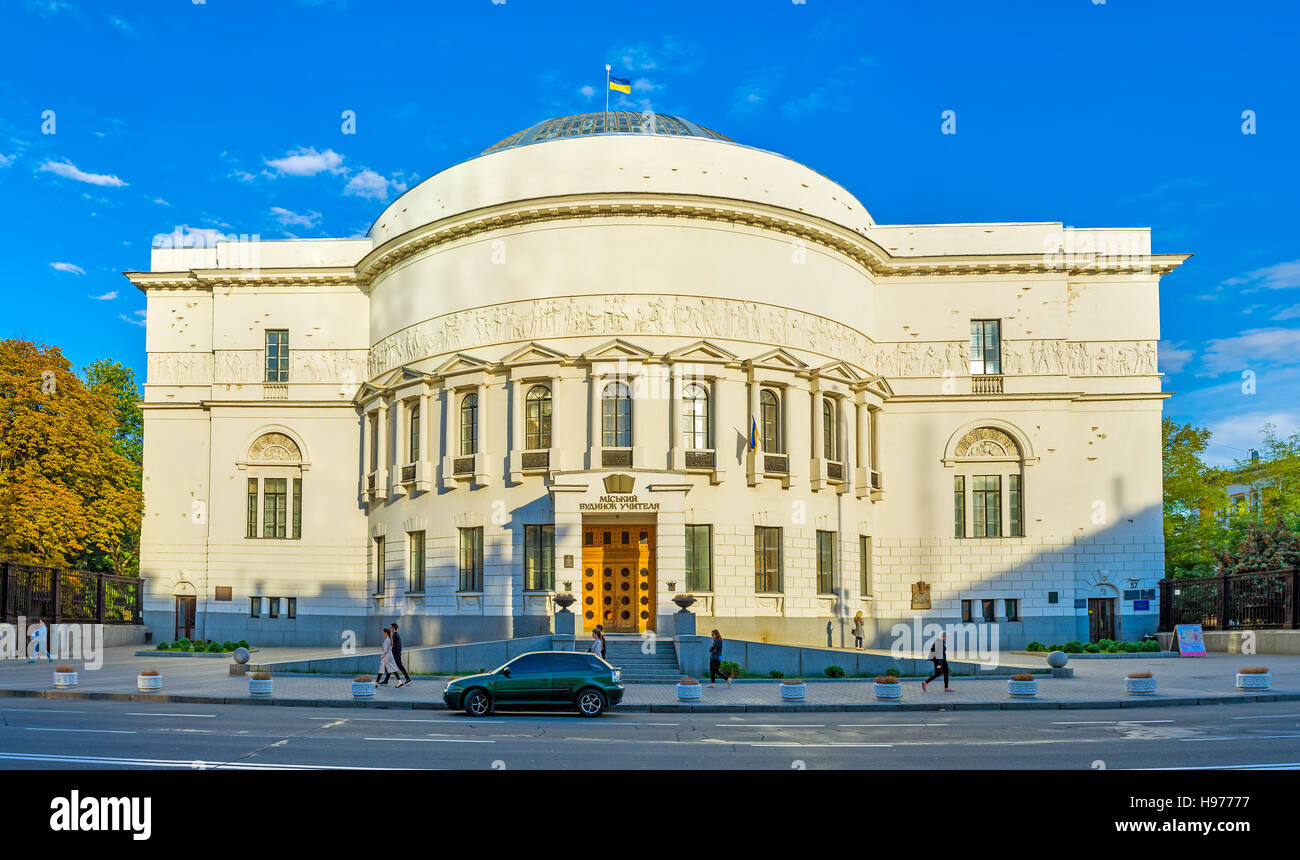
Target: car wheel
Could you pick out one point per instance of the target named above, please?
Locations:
(591, 703)
(477, 703)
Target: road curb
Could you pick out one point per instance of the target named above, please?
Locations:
(673, 708)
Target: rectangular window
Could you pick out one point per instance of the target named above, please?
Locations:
(539, 558)
(297, 508)
(864, 562)
(415, 571)
(825, 562)
(1015, 509)
(959, 506)
(986, 610)
(471, 559)
(254, 607)
(1012, 609)
(374, 442)
(273, 607)
(274, 507)
(985, 347)
(252, 508)
(699, 558)
(767, 560)
(291, 607)
(965, 611)
(986, 498)
(379, 565)
(277, 355)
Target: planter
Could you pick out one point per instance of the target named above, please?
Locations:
(794, 692)
(360, 689)
(148, 683)
(257, 687)
(1255, 681)
(1139, 685)
(1022, 688)
(688, 692)
(65, 679)
(888, 691)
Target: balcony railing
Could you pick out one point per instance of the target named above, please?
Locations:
(275, 391)
(370, 482)
(408, 473)
(834, 470)
(876, 481)
(986, 385)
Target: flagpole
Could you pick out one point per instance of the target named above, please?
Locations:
(607, 97)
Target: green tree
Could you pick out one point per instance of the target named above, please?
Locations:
(1264, 547)
(1193, 496)
(68, 496)
(118, 381)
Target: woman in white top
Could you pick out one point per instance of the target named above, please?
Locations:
(596, 643)
(387, 665)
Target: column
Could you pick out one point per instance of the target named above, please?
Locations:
(593, 419)
(676, 454)
(365, 453)
(449, 436)
(753, 458)
(428, 453)
(818, 440)
(381, 465)
(862, 451)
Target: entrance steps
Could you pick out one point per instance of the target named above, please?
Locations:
(626, 652)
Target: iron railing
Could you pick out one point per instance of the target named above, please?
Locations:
(1259, 600)
(59, 595)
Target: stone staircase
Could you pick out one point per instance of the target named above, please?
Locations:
(624, 652)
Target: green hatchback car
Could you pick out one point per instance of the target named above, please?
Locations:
(540, 680)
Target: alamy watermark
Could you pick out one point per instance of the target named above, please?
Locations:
(64, 642)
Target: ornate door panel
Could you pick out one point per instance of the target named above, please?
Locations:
(618, 577)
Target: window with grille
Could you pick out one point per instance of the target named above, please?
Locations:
(986, 500)
(695, 417)
(769, 411)
(825, 562)
(277, 355)
(985, 347)
(616, 416)
(469, 424)
(537, 422)
(415, 569)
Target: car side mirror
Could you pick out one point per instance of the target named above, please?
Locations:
(505, 671)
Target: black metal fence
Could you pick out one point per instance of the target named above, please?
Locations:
(60, 594)
(1261, 600)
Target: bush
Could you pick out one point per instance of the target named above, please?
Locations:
(183, 644)
(1106, 644)
(893, 671)
(1035, 646)
(1022, 676)
(1092, 648)
(1055, 647)
(1150, 645)
(1140, 675)
(886, 679)
(64, 669)
(1074, 646)
(730, 668)
(242, 643)
(227, 645)
(834, 671)
(163, 646)
(776, 673)
(1253, 670)
(1130, 647)
(215, 648)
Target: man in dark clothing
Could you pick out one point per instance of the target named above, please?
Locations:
(397, 655)
(939, 657)
(715, 659)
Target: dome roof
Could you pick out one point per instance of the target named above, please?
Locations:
(613, 122)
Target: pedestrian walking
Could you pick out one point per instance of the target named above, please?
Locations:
(939, 657)
(397, 656)
(600, 628)
(715, 659)
(386, 664)
(859, 631)
(38, 635)
(597, 645)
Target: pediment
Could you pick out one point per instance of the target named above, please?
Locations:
(534, 353)
(460, 363)
(840, 372)
(702, 351)
(616, 349)
(778, 359)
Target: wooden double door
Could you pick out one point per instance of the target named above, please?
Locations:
(618, 577)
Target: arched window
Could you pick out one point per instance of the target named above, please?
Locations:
(469, 424)
(274, 496)
(537, 420)
(828, 428)
(414, 444)
(988, 485)
(695, 417)
(769, 419)
(616, 416)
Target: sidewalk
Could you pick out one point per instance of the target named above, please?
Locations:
(1097, 684)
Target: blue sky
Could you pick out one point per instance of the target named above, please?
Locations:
(226, 116)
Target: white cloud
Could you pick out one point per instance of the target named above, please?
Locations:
(1290, 313)
(287, 217)
(803, 105)
(161, 202)
(68, 267)
(1233, 436)
(370, 185)
(122, 25)
(68, 170)
(1251, 349)
(1279, 276)
(587, 91)
(308, 162)
(107, 297)
(1173, 357)
(6, 160)
(137, 318)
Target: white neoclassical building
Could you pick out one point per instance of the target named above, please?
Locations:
(626, 356)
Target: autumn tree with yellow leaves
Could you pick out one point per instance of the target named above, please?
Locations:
(69, 487)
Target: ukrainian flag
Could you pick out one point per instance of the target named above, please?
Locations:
(622, 85)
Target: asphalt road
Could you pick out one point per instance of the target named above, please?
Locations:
(104, 734)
